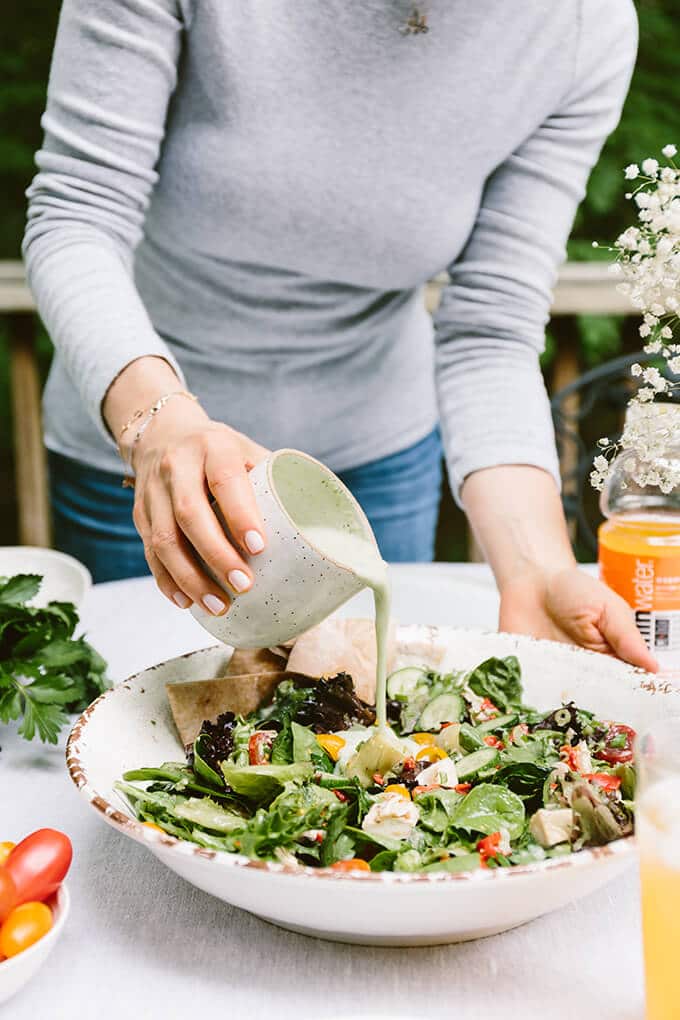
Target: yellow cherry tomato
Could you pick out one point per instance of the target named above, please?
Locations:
(5, 850)
(398, 788)
(432, 753)
(24, 926)
(152, 825)
(331, 743)
(422, 738)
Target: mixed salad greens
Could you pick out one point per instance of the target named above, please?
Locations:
(466, 777)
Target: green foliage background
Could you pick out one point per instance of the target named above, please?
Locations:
(651, 119)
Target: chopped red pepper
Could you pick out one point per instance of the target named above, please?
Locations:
(259, 746)
(489, 846)
(492, 741)
(341, 796)
(463, 787)
(409, 763)
(445, 724)
(487, 709)
(417, 790)
(378, 779)
(604, 780)
(568, 754)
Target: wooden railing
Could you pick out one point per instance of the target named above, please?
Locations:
(582, 288)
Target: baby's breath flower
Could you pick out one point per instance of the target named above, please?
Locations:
(631, 172)
(650, 167)
(669, 151)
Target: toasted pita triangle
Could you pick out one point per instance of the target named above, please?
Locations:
(342, 646)
(193, 701)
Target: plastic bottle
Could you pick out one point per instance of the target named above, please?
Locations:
(639, 545)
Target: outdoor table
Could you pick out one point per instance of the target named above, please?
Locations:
(143, 944)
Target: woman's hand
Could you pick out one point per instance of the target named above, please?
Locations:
(569, 605)
(182, 460)
(517, 515)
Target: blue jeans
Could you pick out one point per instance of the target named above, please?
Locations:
(92, 513)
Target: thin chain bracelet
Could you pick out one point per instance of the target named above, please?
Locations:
(147, 417)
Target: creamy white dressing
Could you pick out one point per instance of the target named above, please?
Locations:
(359, 553)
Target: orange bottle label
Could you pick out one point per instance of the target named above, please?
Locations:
(647, 582)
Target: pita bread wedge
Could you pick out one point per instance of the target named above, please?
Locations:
(342, 646)
(193, 701)
(246, 661)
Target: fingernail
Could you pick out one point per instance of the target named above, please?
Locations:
(182, 600)
(214, 605)
(238, 580)
(254, 541)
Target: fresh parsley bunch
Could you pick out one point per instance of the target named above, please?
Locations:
(44, 671)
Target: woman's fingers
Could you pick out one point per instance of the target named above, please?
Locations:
(198, 522)
(228, 481)
(165, 544)
(618, 628)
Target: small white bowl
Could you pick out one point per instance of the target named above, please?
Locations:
(18, 970)
(65, 579)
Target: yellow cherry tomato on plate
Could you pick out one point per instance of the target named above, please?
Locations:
(432, 753)
(422, 738)
(5, 850)
(331, 743)
(398, 788)
(23, 926)
(353, 864)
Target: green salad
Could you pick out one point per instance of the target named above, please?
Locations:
(467, 776)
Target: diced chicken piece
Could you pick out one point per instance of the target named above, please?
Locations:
(582, 757)
(392, 817)
(552, 827)
(442, 773)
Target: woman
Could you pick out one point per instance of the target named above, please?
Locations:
(244, 199)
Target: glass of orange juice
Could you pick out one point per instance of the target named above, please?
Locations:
(658, 827)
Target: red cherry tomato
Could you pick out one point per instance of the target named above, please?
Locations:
(259, 747)
(38, 864)
(603, 779)
(617, 755)
(8, 894)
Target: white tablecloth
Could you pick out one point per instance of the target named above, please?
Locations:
(143, 944)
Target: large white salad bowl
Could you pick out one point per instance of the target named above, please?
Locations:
(131, 726)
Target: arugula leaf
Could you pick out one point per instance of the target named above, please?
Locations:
(500, 680)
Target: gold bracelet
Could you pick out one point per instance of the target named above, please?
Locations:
(147, 415)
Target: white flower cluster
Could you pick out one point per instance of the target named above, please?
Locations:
(648, 264)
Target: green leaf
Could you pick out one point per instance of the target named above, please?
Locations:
(488, 808)
(500, 680)
(263, 782)
(17, 590)
(305, 743)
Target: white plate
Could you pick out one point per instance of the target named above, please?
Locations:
(131, 726)
(19, 969)
(65, 579)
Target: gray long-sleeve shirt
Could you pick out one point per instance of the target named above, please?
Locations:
(258, 189)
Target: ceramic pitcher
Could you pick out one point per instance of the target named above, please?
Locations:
(295, 584)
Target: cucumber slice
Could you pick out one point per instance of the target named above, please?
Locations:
(501, 722)
(403, 682)
(445, 708)
(469, 738)
(473, 763)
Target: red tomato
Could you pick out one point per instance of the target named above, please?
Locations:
(617, 755)
(39, 864)
(463, 787)
(24, 926)
(8, 894)
(492, 741)
(259, 747)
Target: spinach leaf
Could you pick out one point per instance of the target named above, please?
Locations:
(488, 808)
(500, 680)
(466, 862)
(207, 814)
(437, 808)
(526, 779)
(305, 744)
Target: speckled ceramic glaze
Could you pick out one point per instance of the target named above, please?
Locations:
(296, 585)
(131, 726)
